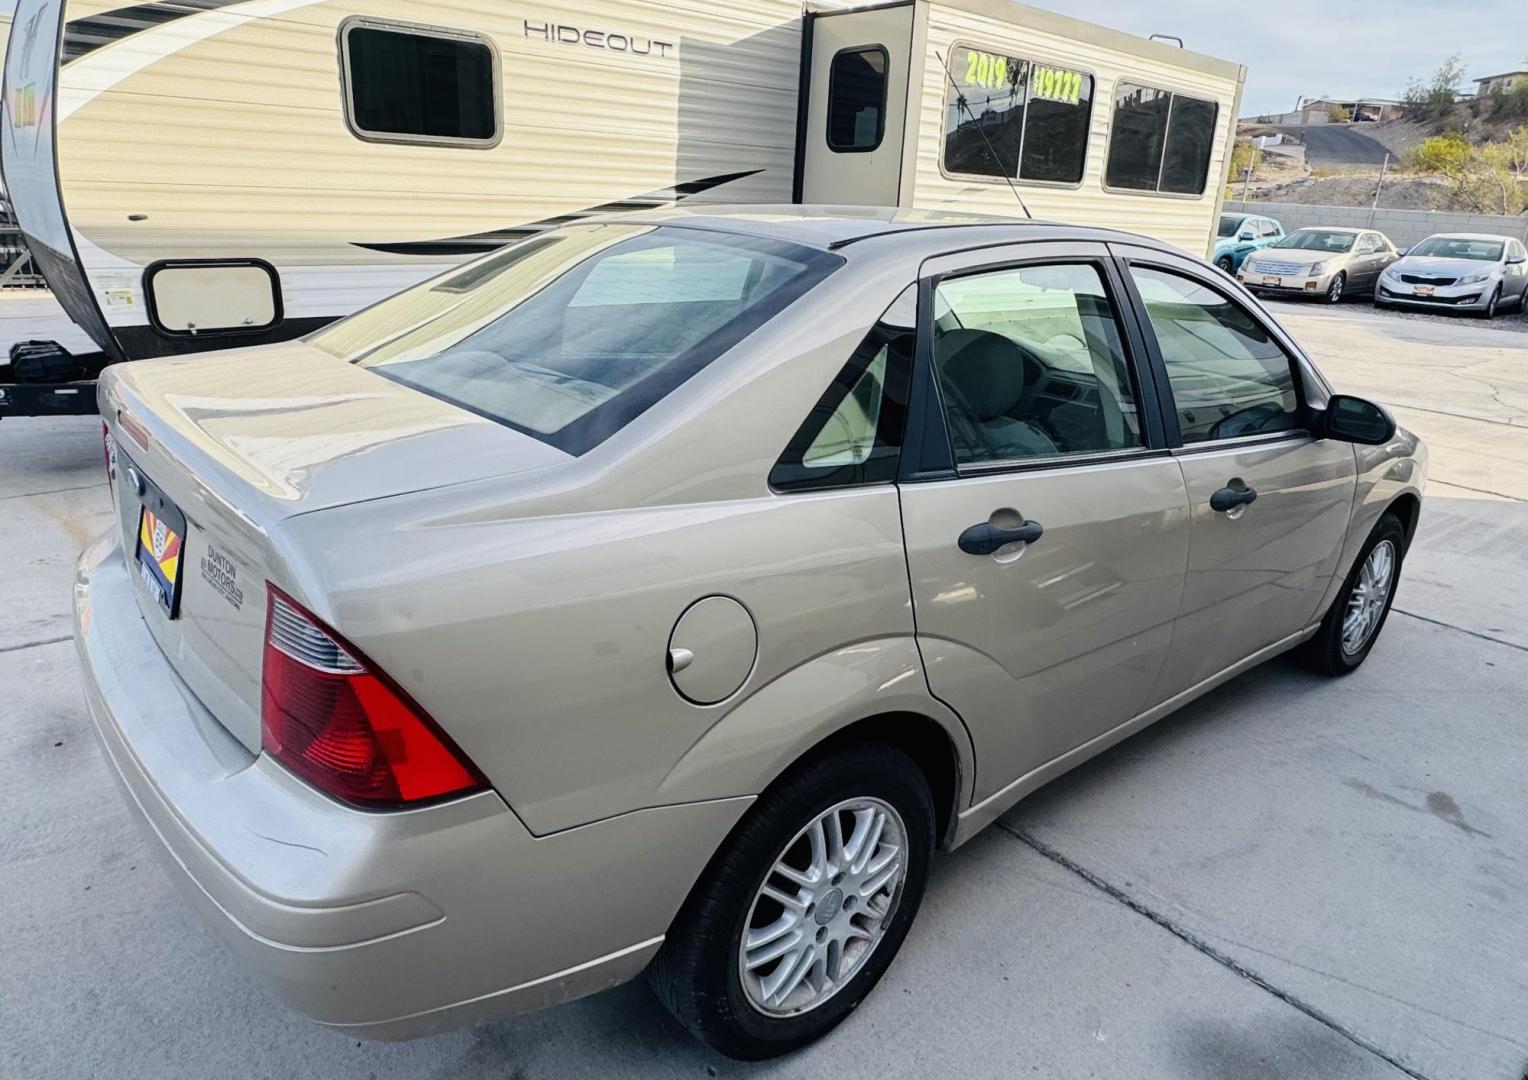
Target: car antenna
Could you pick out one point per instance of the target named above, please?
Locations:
(961, 98)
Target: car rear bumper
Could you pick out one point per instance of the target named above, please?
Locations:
(387, 925)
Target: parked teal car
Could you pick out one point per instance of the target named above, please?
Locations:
(1240, 235)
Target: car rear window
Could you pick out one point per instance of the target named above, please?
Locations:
(573, 334)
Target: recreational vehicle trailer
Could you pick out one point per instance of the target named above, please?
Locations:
(202, 174)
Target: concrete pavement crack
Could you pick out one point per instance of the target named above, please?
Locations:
(1461, 630)
(1200, 945)
(50, 491)
(35, 644)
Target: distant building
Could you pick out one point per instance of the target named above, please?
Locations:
(1359, 109)
(1501, 84)
(1319, 110)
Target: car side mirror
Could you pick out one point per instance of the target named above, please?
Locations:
(1356, 420)
(1246, 236)
(1515, 259)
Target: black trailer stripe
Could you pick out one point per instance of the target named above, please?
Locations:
(479, 243)
(85, 35)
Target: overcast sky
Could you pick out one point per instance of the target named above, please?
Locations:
(1305, 48)
(1308, 48)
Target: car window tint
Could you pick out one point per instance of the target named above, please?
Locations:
(1031, 365)
(857, 99)
(853, 435)
(1228, 376)
(573, 340)
(1271, 228)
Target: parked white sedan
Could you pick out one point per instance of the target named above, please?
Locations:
(1471, 272)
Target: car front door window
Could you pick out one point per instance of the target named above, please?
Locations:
(1229, 377)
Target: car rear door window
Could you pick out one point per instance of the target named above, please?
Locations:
(857, 99)
(1031, 364)
(1228, 376)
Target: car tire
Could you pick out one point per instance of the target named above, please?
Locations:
(1335, 290)
(1334, 651)
(1224, 262)
(1492, 304)
(699, 974)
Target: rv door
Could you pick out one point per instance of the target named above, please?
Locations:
(855, 109)
(29, 165)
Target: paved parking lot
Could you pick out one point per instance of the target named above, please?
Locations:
(1292, 878)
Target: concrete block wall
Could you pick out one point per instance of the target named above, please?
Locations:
(1404, 227)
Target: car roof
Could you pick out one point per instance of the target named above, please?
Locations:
(834, 228)
(1332, 228)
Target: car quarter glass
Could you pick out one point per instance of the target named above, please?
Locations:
(854, 433)
(1228, 376)
(1031, 365)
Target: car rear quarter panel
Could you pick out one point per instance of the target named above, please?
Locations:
(532, 618)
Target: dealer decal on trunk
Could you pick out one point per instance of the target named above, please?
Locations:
(219, 571)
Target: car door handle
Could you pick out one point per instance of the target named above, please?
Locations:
(984, 537)
(1229, 498)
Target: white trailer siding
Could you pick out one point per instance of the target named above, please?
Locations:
(1110, 57)
(223, 132)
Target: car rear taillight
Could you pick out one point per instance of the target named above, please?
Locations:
(332, 718)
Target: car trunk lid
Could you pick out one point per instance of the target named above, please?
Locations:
(234, 444)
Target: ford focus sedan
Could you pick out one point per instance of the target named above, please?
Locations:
(658, 594)
(1470, 272)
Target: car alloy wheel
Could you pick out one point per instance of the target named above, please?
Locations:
(1367, 600)
(1334, 290)
(823, 907)
(1224, 263)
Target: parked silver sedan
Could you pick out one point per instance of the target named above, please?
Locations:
(659, 593)
(1323, 263)
(1471, 272)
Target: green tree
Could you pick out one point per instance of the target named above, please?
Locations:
(1434, 98)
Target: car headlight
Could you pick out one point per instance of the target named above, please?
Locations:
(1391, 272)
(1476, 279)
(1317, 269)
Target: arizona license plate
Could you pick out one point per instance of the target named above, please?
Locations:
(1422, 290)
(161, 544)
(1270, 280)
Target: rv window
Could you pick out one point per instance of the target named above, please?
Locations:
(419, 87)
(1190, 135)
(1011, 118)
(1160, 141)
(857, 99)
